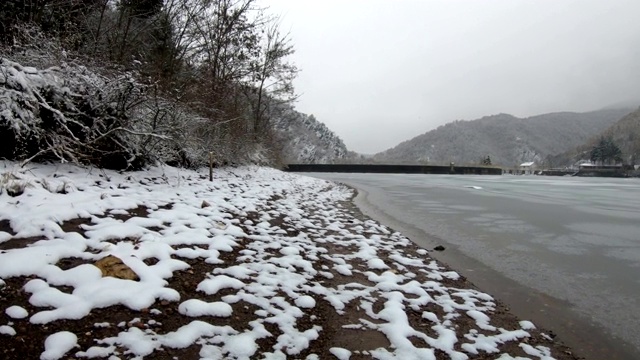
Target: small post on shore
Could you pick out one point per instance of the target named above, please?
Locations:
(210, 165)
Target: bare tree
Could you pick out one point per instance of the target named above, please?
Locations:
(272, 74)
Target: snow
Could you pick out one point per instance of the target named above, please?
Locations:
(195, 307)
(216, 283)
(7, 330)
(539, 351)
(286, 272)
(58, 344)
(527, 325)
(481, 319)
(306, 302)
(377, 264)
(340, 353)
(16, 312)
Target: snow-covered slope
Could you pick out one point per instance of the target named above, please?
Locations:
(306, 140)
(73, 114)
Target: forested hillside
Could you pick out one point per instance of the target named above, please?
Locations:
(624, 133)
(305, 140)
(505, 139)
(121, 84)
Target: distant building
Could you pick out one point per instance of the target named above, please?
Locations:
(589, 165)
(527, 168)
(586, 165)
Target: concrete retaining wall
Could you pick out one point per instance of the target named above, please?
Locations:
(394, 169)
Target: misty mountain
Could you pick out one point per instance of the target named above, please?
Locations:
(506, 139)
(625, 104)
(304, 140)
(625, 133)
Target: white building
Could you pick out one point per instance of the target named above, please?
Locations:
(527, 168)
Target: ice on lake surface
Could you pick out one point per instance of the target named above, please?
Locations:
(577, 239)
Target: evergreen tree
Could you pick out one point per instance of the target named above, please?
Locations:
(606, 151)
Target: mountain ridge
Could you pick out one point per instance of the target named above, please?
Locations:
(506, 139)
(625, 133)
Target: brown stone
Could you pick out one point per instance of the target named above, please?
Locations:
(114, 267)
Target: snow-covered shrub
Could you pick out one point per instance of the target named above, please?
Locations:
(44, 115)
(167, 132)
(62, 187)
(70, 113)
(31, 47)
(12, 184)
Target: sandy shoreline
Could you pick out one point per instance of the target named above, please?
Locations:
(583, 336)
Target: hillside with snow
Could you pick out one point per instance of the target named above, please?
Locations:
(305, 140)
(506, 139)
(72, 113)
(625, 133)
(128, 84)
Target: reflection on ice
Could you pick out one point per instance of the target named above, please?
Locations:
(611, 234)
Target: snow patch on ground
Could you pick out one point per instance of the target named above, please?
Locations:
(527, 325)
(340, 353)
(195, 307)
(58, 344)
(305, 301)
(7, 330)
(16, 312)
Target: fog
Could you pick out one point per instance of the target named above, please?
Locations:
(381, 72)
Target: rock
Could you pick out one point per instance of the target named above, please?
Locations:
(205, 204)
(221, 226)
(439, 248)
(114, 267)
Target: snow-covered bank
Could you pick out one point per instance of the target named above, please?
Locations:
(256, 264)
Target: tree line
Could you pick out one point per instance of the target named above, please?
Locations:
(184, 77)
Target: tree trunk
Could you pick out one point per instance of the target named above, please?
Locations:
(97, 37)
(124, 38)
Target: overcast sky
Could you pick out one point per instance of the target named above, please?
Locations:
(381, 72)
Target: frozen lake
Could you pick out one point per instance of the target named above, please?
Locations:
(574, 241)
